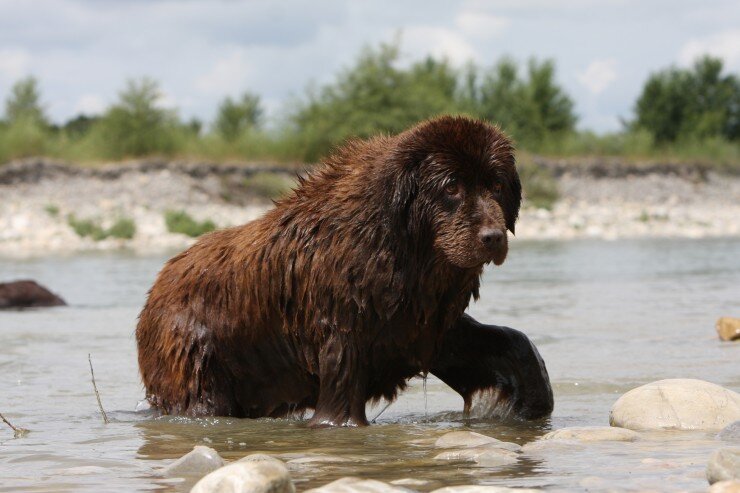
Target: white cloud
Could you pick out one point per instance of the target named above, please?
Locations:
(598, 75)
(481, 25)
(89, 104)
(725, 45)
(14, 63)
(438, 42)
(228, 75)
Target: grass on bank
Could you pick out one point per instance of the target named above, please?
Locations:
(181, 222)
(123, 228)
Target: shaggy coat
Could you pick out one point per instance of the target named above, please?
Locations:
(343, 291)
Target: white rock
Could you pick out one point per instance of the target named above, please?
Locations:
(262, 476)
(545, 447)
(259, 458)
(476, 488)
(198, 462)
(485, 456)
(357, 485)
(459, 439)
(724, 465)
(676, 404)
(593, 434)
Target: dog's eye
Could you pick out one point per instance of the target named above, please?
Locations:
(497, 187)
(452, 188)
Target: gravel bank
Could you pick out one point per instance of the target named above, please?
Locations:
(38, 197)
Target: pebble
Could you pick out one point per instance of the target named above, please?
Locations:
(676, 404)
(253, 476)
(198, 462)
(730, 433)
(459, 439)
(409, 482)
(728, 328)
(476, 488)
(357, 485)
(317, 459)
(82, 471)
(725, 487)
(724, 465)
(593, 434)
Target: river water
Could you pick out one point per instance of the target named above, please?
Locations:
(606, 317)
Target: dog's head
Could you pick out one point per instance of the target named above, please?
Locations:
(458, 186)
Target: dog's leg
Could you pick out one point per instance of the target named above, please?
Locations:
(342, 386)
(497, 370)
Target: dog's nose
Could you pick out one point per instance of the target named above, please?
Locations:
(491, 237)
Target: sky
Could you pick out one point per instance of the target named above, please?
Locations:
(83, 51)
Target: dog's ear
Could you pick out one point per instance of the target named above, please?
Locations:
(405, 189)
(512, 199)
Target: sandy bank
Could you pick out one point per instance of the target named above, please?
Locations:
(599, 200)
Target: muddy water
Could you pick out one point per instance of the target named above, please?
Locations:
(606, 316)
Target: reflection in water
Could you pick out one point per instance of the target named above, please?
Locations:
(606, 316)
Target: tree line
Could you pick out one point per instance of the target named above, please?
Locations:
(679, 108)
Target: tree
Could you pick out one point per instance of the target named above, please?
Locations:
(136, 126)
(531, 109)
(24, 103)
(698, 102)
(80, 125)
(553, 107)
(374, 96)
(236, 117)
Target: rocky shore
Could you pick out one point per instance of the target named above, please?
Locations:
(641, 420)
(42, 199)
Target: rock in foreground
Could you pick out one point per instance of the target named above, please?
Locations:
(725, 487)
(196, 463)
(593, 434)
(676, 404)
(728, 328)
(357, 485)
(262, 476)
(724, 465)
(27, 294)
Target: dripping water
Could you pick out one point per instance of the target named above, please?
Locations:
(426, 404)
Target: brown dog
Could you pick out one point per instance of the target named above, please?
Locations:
(350, 286)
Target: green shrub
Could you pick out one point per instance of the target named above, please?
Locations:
(52, 210)
(123, 228)
(269, 185)
(181, 222)
(24, 138)
(136, 125)
(86, 227)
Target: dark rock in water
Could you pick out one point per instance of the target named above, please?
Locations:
(730, 433)
(27, 294)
